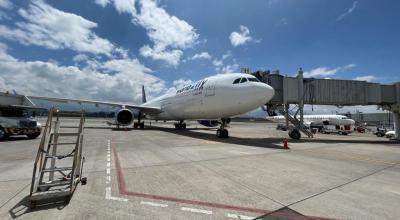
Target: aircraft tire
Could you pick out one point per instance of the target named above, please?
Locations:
(33, 135)
(226, 133)
(222, 133)
(141, 125)
(135, 125)
(295, 134)
(183, 126)
(2, 133)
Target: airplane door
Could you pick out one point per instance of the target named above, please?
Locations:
(210, 88)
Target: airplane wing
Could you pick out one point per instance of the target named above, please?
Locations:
(145, 109)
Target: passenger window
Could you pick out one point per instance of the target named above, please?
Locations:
(243, 80)
(236, 81)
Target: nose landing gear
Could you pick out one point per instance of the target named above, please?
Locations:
(222, 132)
(180, 125)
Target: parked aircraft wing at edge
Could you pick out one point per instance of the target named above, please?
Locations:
(145, 109)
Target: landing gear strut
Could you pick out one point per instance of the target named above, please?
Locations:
(180, 125)
(139, 124)
(222, 132)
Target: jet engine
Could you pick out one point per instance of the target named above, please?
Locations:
(124, 117)
(208, 123)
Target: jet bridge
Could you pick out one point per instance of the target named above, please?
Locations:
(299, 91)
(14, 100)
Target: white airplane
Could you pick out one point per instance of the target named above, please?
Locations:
(340, 121)
(214, 98)
(317, 119)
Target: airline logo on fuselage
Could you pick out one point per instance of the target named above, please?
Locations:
(197, 86)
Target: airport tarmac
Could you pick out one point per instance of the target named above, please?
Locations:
(163, 173)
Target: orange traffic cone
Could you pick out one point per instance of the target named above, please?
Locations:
(285, 143)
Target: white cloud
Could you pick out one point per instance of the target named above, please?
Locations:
(326, 71)
(80, 58)
(46, 26)
(349, 11)
(200, 56)
(90, 82)
(230, 68)
(122, 6)
(6, 4)
(242, 37)
(227, 55)
(169, 34)
(367, 78)
(172, 57)
(218, 62)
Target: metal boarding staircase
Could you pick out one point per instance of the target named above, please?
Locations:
(57, 172)
(296, 123)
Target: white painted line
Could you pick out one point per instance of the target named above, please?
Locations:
(108, 170)
(242, 217)
(118, 199)
(153, 204)
(108, 159)
(108, 179)
(108, 192)
(108, 164)
(202, 211)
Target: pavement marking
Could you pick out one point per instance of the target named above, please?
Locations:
(108, 178)
(153, 204)
(202, 211)
(236, 216)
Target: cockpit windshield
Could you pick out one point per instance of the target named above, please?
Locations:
(243, 80)
(253, 79)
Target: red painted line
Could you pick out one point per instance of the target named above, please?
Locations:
(123, 191)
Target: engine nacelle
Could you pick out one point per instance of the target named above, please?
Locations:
(208, 123)
(124, 117)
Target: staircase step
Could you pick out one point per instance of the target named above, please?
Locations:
(57, 169)
(65, 143)
(66, 134)
(59, 156)
(58, 183)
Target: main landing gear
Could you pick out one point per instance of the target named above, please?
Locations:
(180, 125)
(222, 132)
(140, 123)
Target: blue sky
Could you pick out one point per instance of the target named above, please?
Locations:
(106, 49)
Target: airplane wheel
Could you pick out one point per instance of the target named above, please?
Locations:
(183, 126)
(222, 133)
(219, 133)
(135, 125)
(141, 125)
(226, 133)
(3, 134)
(295, 134)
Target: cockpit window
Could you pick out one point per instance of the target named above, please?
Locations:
(243, 80)
(253, 79)
(236, 81)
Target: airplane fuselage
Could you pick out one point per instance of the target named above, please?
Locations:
(212, 98)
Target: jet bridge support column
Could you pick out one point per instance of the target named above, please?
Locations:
(301, 94)
(396, 120)
(396, 112)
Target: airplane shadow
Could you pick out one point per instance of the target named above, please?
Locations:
(274, 143)
(266, 142)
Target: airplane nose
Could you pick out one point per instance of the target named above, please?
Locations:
(264, 92)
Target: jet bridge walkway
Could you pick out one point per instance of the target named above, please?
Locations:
(300, 91)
